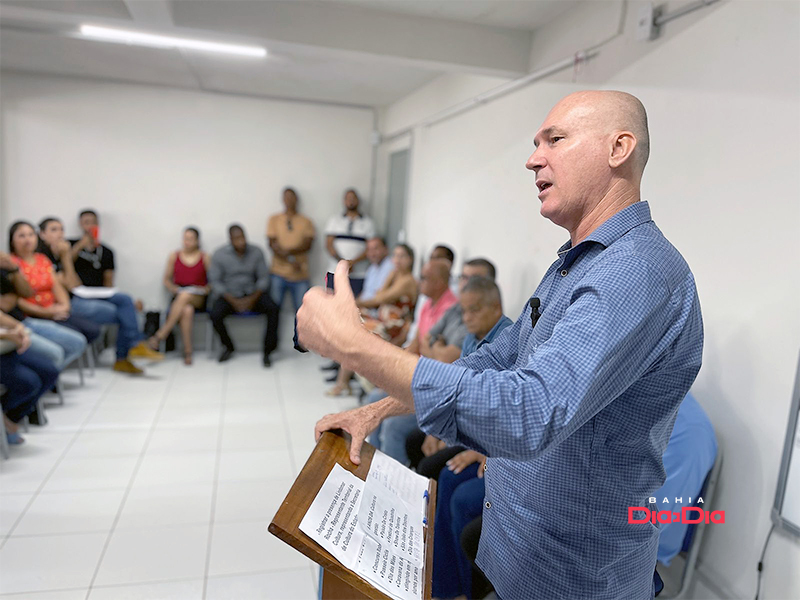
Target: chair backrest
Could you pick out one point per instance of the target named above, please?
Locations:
(694, 533)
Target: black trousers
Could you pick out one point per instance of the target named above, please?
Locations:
(428, 466)
(264, 306)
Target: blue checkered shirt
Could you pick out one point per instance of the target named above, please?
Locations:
(575, 414)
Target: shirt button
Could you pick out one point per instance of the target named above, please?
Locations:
(564, 273)
(488, 504)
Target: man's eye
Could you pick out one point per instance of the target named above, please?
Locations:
(556, 138)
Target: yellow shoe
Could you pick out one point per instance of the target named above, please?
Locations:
(142, 350)
(126, 366)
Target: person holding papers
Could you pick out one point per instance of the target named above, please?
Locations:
(186, 279)
(94, 265)
(575, 402)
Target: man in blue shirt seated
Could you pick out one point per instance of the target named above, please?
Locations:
(688, 459)
(379, 269)
(573, 404)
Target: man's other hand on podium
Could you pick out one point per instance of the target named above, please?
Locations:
(360, 422)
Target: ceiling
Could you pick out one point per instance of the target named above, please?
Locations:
(356, 52)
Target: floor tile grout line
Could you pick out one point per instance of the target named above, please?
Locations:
(215, 486)
(285, 418)
(109, 586)
(131, 480)
(58, 462)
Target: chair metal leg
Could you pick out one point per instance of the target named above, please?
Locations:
(90, 359)
(4, 443)
(58, 391)
(79, 362)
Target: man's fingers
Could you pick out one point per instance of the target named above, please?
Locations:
(356, 441)
(341, 280)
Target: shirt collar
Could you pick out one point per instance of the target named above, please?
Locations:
(501, 324)
(614, 228)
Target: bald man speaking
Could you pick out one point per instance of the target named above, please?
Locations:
(575, 403)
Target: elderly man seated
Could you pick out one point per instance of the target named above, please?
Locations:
(440, 341)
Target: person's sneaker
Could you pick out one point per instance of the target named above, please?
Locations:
(226, 355)
(142, 350)
(126, 366)
(267, 361)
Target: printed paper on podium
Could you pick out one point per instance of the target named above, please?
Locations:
(374, 527)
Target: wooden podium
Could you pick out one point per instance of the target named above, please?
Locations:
(338, 583)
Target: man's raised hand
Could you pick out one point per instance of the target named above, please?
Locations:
(328, 323)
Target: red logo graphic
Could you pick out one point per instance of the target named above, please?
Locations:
(688, 515)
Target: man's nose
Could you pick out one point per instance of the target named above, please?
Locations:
(535, 161)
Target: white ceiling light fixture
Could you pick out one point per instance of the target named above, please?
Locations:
(139, 38)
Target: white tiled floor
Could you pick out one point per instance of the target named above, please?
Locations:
(163, 486)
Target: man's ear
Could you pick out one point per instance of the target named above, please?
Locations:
(623, 145)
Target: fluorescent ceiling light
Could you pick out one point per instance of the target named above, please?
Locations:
(138, 38)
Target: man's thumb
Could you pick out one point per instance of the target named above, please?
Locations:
(341, 279)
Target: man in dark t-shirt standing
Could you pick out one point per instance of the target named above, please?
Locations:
(94, 266)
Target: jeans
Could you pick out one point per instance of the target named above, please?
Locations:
(279, 286)
(460, 500)
(117, 309)
(374, 438)
(394, 432)
(264, 305)
(71, 342)
(26, 378)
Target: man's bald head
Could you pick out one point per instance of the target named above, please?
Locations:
(590, 155)
(435, 277)
(608, 112)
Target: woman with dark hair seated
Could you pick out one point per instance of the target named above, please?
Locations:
(50, 303)
(186, 278)
(25, 377)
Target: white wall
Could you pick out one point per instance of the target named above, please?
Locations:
(154, 160)
(722, 87)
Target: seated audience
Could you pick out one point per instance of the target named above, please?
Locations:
(482, 310)
(50, 304)
(380, 267)
(25, 377)
(57, 344)
(391, 434)
(289, 236)
(394, 304)
(53, 245)
(240, 281)
(186, 279)
(94, 265)
(439, 251)
(687, 460)
(346, 239)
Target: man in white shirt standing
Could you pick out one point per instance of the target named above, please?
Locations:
(347, 236)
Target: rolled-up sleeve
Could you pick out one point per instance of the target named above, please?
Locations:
(612, 331)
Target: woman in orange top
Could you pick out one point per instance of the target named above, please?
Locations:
(50, 300)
